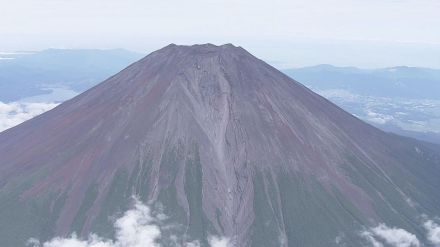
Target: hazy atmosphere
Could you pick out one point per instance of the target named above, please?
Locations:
(376, 33)
(209, 123)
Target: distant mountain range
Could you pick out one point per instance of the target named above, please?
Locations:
(28, 74)
(404, 100)
(399, 82)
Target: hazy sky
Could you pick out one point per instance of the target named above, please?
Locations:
(366, 33)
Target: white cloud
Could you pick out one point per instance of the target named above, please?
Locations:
(371, 239)
(378, 118)
(340, 94)
(138, 227)
(433, 232)
(395, 237)
(135, 228)
(219, 242)
(14, 113)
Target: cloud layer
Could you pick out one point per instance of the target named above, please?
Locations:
(138, 227)
(382, 235)
(420, 115)
(14, 113)
(433, 232)
(338, 31)
(396, 237)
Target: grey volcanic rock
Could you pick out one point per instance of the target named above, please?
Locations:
(226, 144)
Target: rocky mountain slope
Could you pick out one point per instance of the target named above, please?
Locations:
(226, 145)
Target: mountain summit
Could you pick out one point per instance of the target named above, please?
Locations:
(226, 144)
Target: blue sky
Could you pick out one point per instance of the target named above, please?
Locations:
(364, 33)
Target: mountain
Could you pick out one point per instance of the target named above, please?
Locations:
(402, 81)
(403, 100)
(31, 74)
(226, 145)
